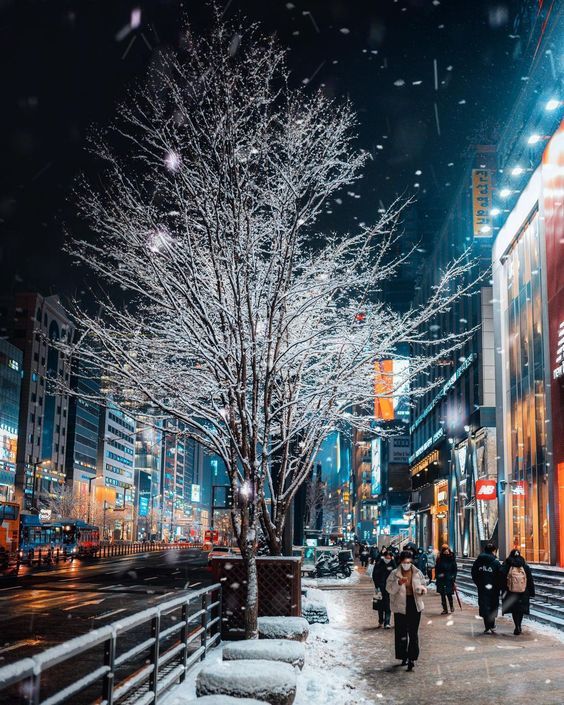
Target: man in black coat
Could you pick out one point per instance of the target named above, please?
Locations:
(382, 568)
(486, 575)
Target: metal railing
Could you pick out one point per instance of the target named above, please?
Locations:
(51, 556)
(179, 633)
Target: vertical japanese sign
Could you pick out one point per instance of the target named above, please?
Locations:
(482, 202)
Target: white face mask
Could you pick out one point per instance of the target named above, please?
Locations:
(387, 560)
(405, 566)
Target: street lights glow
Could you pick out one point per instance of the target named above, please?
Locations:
(533, 139)
(517, 171)
(495, 211)
(485, 229)
(505, 192)
(551, 105)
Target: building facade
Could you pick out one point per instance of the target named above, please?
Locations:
(11, 370)
(35, 324)
(529, 284)
(115, 476)
(83, 435)
(452, 426)
(148, 459)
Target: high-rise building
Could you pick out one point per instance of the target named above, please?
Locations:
(148, 459)
(33, 324)
(83, 432)
(11, 359)
(115, 483)
(452, 426)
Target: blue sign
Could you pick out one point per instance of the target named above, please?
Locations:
(143, 506)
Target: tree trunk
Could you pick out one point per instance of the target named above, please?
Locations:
(251, 600)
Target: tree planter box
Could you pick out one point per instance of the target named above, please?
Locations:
(279, 580)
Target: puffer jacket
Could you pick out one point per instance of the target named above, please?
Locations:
(398, 594)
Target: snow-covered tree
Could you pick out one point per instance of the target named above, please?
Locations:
(228, 309)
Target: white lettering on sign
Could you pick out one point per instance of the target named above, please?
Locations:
(558, 371)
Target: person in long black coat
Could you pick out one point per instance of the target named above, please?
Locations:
(383, 566)
(486, 576)
(516, 603)
(445, 577)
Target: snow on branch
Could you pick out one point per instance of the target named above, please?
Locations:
(228, 309)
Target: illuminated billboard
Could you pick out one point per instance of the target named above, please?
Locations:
(391, 384)
(376, 467)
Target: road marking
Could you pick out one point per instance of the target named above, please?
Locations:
(18, 644)
(166, 594)
(83, 604)
(109, 614)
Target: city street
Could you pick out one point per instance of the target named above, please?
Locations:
(457, 664)
(44, 608)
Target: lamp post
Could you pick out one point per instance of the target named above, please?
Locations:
(90, 481)
(34, 479)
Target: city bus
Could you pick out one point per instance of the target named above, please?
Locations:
(9, 537)
(69, 538)
(75, 537)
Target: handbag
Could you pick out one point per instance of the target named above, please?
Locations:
(376, 599)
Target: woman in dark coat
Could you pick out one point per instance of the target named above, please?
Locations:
(445, 576)
(516, 603)
(486, 576)
(383, 566)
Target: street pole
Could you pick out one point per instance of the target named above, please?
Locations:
(89, 497)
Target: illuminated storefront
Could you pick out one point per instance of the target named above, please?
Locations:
(528, 275)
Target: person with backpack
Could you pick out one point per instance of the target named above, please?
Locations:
(445, 576)
(431, 563)
(486, 576)
(406, 585)
(383, 566)
(517, 588)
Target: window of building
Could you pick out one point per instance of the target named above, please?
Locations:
(525, 400)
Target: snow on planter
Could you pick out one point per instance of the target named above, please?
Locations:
(292, 652)
(223, 700)
(268, 681)
(315, 612)
(294, 628)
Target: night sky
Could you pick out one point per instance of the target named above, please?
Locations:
(65, 66)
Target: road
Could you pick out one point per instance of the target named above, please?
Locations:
(46, 607)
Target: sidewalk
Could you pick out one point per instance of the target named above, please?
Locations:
(458, 664)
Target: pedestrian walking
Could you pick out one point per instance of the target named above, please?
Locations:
(486, 576)
(374, 553)
(406, 585)
(431, 561)
(445, 572)
(364, 555)
(382, 569)
(420, 561)
(517, 586)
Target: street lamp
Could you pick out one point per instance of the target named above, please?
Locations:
(90, 481)
(34, 479)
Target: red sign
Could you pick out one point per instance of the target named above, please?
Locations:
(212, 536)
(486, 489)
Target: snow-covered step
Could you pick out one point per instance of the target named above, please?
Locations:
(295, 628)
(223, 700)
(284, 650)
(268, 681)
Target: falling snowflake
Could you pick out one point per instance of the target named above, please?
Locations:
(345, 30)
(399, 82)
